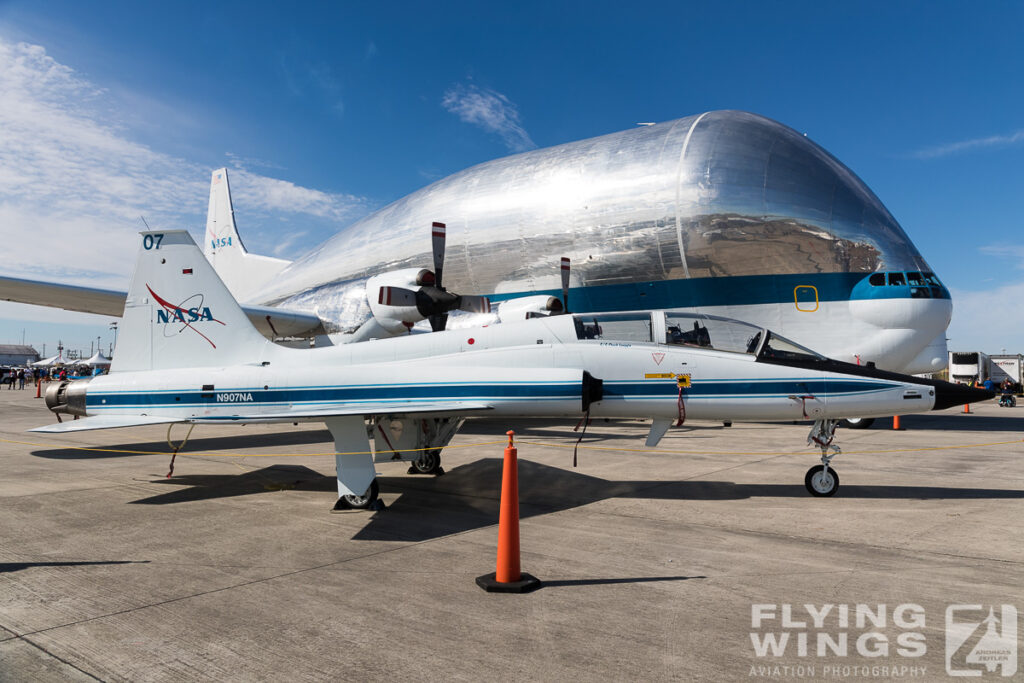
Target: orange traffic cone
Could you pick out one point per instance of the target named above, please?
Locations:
(508, 578)
(967, 408)
(896, 422)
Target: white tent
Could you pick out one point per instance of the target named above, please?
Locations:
(47, 362)
(98, 359)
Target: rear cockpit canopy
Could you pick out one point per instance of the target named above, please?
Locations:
(683, 328)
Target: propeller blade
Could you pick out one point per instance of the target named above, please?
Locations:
(396, 296)
(438, 232)
(474, 304)
(565, 284)
(437, 322)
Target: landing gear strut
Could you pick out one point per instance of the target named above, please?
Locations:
(821, 480)
(428, 463)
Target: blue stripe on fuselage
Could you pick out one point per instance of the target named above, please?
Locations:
(518, 392)
(737, 290)
(333, 394)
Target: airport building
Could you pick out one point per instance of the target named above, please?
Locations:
(14, 354)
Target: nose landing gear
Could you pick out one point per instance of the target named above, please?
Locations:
(820, 480)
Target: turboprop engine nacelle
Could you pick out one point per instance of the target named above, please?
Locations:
(395, 318)
(528, 307)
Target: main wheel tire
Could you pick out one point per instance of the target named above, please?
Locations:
(364, 501)
(821, 483)
(858, 422)
(429, 462)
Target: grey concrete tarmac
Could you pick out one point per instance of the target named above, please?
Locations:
(652, 560)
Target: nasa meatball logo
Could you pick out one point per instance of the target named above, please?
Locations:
(176, 318)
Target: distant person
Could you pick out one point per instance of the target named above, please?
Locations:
(11, 377)
(21, 378)
(989, 385)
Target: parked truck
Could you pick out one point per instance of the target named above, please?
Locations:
(968, 367)
(1008, 366)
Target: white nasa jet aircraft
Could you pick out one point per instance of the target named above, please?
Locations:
(187, 353)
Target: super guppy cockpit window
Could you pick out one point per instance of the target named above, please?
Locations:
(923, 285)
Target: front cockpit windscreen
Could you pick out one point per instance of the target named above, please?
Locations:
(711, 332)
(778, 348)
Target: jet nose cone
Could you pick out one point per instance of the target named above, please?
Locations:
(948, 395)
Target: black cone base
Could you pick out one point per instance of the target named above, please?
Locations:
(525, 584)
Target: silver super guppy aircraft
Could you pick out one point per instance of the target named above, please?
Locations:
(728, 213)
(188, 353)
(725, 213)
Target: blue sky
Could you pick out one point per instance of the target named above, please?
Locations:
(327, 111)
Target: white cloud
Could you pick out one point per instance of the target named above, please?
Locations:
(73, 183)
(967, 145)
(271, 194)
(988, 320)
(1007, 251)
(491, 111)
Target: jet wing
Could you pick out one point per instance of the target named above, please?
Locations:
(377, 408)
(104, 422)
(271, 322)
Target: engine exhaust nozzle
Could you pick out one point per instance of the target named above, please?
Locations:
(67, 397)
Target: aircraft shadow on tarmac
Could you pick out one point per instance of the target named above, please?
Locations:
(467, 497)
(213, 443)
(18, 566)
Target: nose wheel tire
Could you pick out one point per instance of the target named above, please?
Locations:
(821, 482)
(363, 502)
(857, 422)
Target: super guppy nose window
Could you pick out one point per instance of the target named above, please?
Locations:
(923, 285)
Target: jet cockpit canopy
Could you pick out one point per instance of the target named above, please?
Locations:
(686, 328)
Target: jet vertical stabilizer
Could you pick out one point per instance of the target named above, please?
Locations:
(180, 314)
(241, 271)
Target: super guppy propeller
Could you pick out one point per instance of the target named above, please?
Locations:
(432, 300)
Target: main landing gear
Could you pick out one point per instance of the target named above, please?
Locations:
(821, 480)
(428, 463)
(857, 422)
